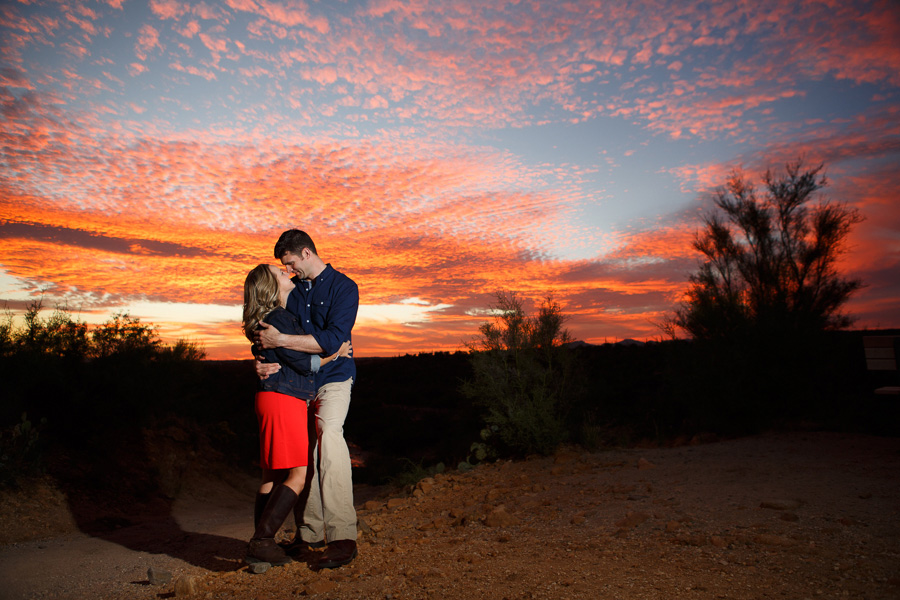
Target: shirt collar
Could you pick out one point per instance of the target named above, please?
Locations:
(325, 274)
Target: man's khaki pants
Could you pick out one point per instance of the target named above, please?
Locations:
(327, 500)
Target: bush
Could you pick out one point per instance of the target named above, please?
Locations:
(20, 451)
(124, 334)
(91, 385)
(63, 336)
(522, 377)
(58, 335)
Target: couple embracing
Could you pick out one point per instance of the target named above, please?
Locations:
(299, 319)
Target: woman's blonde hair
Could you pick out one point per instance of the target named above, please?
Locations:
(260, 297)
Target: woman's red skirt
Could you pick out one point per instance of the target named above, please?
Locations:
(283, 440)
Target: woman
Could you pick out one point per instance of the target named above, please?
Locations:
(281, 410)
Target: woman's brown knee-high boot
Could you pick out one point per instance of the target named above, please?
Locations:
(259, 506)
(262, 546)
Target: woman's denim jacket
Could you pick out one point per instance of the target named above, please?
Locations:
(296, 376)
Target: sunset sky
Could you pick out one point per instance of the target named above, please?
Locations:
(436, 151)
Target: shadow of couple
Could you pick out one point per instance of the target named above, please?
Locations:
(151, 527)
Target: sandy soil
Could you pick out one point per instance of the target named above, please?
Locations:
(801, 515)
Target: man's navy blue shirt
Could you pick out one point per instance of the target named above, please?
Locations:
(327, 308)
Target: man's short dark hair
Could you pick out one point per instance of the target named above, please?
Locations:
(293, 241)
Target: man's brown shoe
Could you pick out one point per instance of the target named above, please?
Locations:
(338, 553)
(298, 548)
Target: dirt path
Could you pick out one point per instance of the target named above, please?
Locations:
(805, 515)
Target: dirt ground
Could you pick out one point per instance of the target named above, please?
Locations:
(797, 516)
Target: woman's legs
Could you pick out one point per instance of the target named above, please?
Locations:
(279, 504)
(282, 435)
(295, 479)
(268, 480)
(262, 495)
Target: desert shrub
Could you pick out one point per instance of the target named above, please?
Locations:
(124, 334)
(57, 335)
(522, 376)
(182, 350)
(89, 382)
(62, 335)
(21, 452)
(6, 334)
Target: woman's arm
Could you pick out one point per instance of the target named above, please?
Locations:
(345, 350)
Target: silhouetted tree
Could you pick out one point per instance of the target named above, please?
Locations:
(64, 336)
(124, 334)
(182, 350)
(521, 376)
(758, 307)
(7, 331)
(58, 335)
(770, 260)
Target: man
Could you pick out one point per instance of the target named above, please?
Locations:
(326, 302)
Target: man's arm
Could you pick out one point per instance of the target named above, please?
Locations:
(341, 317)
(304, 363)
(269, 337)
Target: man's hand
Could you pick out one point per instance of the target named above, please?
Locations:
(267, 336)
(263, 370)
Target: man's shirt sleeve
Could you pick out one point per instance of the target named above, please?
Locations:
(344, 298)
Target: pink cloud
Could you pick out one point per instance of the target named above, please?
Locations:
(85, 25)
(78, 51)
(210, 12)
(135, 69)
(376, 102)
(147, 41)
(293, 13)
(13, 77)
(168, 9)
(861, 47)
(215, 45)
(243, 5)
(190, 29)
(192, 70)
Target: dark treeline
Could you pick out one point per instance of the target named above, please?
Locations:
(661, 393)
(674, 390)
(115, 423)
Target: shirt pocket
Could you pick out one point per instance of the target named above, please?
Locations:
(320, 309)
